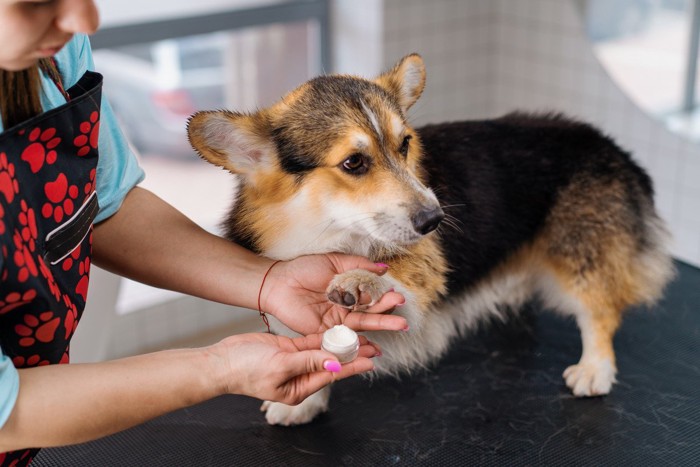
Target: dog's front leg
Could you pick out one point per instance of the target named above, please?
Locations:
(277, 413)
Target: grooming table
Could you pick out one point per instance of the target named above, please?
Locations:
(497, 398)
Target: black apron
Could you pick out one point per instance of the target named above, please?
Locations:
(48, 203)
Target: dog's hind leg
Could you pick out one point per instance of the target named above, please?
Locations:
(598, 317)
(595, 372)
(604, 248)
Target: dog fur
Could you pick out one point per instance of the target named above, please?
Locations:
(528, 206)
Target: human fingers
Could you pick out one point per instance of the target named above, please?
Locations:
(308, 342)
(347, 262)
(362, 321)
(369, 351)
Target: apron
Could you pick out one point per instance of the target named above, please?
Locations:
(48, 203)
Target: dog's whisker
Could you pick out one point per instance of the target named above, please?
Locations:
(453, 219)
(449, 223)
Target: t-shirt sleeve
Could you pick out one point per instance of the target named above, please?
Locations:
(118, 170)
(9, 387)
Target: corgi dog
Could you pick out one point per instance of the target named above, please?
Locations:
(474, 218)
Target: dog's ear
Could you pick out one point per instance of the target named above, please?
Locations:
(405, 81)
(231, 140)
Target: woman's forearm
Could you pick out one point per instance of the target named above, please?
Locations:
(66, 404)
(150, 241)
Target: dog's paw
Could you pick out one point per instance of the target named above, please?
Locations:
(277, 413)
(345, 289)
(587, 379)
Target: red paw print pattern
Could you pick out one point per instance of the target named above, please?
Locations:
(9, 186)
(15, 299)
(90, 186)
(41, 328)
(84, 270)
(61, 198)
(32, 360)
(50, 280)
(70, 259)
(71, 321)
(41, 148)
(90, 132)
(24, 258)
(27, 220)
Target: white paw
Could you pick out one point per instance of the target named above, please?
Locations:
(277, 413)
(593, 378)
(345, 288)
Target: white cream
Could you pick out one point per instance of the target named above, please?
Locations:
(341, 341)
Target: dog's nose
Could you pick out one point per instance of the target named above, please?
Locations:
(427, 220)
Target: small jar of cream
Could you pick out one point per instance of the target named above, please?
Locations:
(341, 341)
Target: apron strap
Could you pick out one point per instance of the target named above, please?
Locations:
(51, 70)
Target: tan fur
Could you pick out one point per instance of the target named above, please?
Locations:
(422, 270)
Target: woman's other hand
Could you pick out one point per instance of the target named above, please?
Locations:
(282, 369)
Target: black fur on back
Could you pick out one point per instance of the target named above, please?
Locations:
(499, 179)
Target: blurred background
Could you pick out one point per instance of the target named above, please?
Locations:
(628, 66)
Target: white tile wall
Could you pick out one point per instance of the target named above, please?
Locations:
(455, 39)
(489, 57)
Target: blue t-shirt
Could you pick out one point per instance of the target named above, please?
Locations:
(117, 173)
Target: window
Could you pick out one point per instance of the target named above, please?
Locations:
(650, 48)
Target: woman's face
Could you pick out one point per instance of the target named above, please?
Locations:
(34, 29)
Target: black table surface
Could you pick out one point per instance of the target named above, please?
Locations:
(497, 398)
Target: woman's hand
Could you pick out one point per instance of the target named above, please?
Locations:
(282, 369)
(295, 293)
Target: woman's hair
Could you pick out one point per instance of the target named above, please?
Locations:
(20, 97)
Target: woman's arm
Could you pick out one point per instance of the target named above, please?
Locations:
(67, 404)
(150, 241)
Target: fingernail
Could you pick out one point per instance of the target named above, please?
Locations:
(378, 354)
(331, 365)
(381, 265)
(390, 290)
(400, 304)
(406, 328)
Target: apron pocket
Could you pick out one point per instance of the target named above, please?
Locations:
(61, 241)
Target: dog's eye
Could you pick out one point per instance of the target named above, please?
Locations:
(356, 164)
(403, 149)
